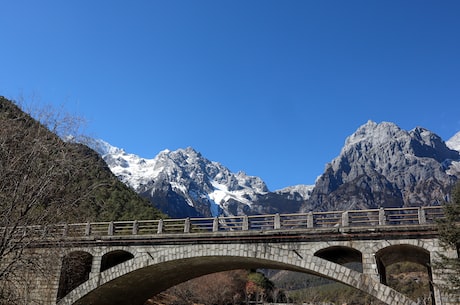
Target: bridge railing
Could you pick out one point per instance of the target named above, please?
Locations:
(411, 216)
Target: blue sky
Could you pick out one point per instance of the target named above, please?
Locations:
(272, 88)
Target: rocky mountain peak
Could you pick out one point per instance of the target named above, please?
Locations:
(191, 165)
(371, 141)
(374, 133)
(383, 165)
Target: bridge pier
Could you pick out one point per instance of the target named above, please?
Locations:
(95, 273)
(370, 266)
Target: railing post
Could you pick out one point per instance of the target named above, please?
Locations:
(245, 223)
(88, 229)
(160, 226)
(110, 230)
(44, 231)
(135, 227)
(187, 225)
(345, 219)
(215, 224)
(421, 216)
(381, 217)
(277, 222)
(310, 221)
(65, 230)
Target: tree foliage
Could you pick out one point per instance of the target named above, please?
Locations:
(449, 234)
(258, 287)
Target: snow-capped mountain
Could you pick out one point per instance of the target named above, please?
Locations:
(382, 165)
(184, 183)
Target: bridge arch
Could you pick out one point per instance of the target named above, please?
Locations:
(153, 271)
(113, 258)
(399, 253)
(75, 270)
(340, 254)
(402, 251)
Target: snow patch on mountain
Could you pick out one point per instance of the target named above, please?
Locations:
(454, 142)
(131, 169)
(222, 194)
(454, 165)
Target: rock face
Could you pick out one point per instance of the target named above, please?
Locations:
(382, 165)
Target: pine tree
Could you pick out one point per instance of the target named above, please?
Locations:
(449, 235)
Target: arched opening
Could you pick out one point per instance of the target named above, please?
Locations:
(114, 258)
(75, 270)
(407, 269)
(319, 289)
(341, 255)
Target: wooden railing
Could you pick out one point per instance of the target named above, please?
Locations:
(354, 218)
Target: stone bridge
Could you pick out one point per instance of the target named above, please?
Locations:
(125, 263)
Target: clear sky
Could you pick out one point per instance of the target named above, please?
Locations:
(272, 88)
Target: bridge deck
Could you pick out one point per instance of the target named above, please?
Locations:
(336, 225)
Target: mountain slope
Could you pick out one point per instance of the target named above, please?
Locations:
(38, 170)
(382, 165)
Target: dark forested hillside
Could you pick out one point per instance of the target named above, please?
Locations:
(51, 180)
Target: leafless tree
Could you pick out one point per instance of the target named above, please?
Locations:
(220, 288)
(36, 170)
